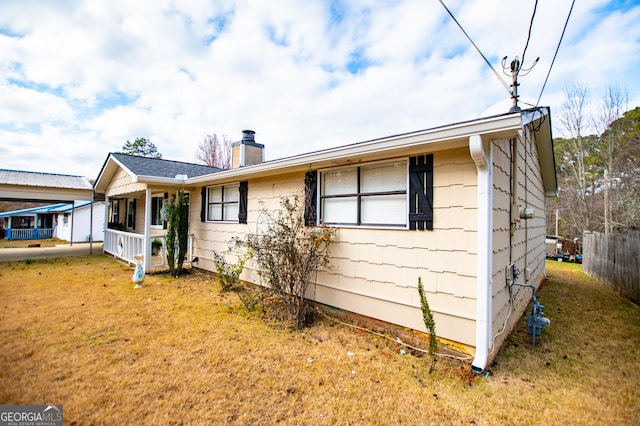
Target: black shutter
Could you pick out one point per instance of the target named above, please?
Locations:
(244, 200)
(203, 206)
(133, 225)
(421, 192)
(310, 198)
(164, 201)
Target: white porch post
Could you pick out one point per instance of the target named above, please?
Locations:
(105, 225)
(93, 196)
(147, 227)
(73, 209)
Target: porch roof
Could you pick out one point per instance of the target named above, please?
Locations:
(150, 170)
(53, 208)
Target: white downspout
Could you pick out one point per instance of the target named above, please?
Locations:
(147, 231)
(483, 158)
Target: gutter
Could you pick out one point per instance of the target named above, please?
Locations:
(482, 157)
(444, 137)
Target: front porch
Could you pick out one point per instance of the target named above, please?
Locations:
(125, 245)
(28, 233)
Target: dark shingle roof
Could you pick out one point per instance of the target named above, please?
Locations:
(144, 166)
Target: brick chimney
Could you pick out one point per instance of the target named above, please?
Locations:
(246, 152)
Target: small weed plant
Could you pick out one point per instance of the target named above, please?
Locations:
(229, 273)
(430, 323)
(229, 276)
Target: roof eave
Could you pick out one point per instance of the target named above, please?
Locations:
(160, 180)
(540, 121)
(446, 137)
(108, 170)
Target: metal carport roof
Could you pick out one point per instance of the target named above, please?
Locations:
(36, 186)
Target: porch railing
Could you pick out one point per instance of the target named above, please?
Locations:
(159, 257)
(28, 234)
(125, 245)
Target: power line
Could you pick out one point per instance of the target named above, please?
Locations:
(506, 86)
(535, 7)
(556, 54)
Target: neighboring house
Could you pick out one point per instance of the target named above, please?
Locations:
(73, 223)
(66, 221)
(461, 206)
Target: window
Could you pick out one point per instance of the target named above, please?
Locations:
(65, 218)
(114, 211)
(131, 213)
(223, 203)
(156, 206)
(372, 195)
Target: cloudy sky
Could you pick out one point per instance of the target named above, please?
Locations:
(80, 77)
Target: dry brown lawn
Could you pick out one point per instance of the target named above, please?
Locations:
(46, 242)
(74, 332)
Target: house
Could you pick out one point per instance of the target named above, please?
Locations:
(73, 222)
(66, 221)
(461, 206)
(136, 189)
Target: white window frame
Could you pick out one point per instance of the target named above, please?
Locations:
(359, 194)
(160, 224)
(224, 202)
(131, 214)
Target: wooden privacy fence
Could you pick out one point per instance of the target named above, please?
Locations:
(614, 259)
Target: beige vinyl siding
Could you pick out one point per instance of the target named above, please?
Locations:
(211, 236)
(122, 184)
(374, 272)
(526, 237)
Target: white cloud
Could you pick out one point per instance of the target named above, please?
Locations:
(84, 76)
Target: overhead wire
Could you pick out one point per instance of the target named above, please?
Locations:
(556, 53)
(506, 86)
(533, 15)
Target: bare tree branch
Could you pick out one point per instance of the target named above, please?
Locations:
(214, 153)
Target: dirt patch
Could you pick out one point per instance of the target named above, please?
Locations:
(73, 331)
(47, 242)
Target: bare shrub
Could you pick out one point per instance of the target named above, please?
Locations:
(287, 255)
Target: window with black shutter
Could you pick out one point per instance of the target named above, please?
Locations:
(225, 203)
(373, 194)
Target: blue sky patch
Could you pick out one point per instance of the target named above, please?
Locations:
(274, 37)
(336, 11)
(113, 99)
(217, 25)
(39, 87)
(358, 61)
(11, 33)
